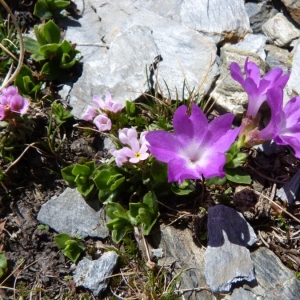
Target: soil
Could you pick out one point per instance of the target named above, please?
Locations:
(36, 267)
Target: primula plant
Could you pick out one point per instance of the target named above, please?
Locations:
(149, 162)
(15, 127)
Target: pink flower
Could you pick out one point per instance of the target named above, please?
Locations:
(102, 122)
(89, 114)
(108, 105)
(120, 157)
(10, 100)
(197, 148)
(136, 150)
(126, 135)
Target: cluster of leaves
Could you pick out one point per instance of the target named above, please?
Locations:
(72, 248)
(48, 9)
(56, 56)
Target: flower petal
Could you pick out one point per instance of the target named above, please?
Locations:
(236, 73)
(163, 145)
(178, 170)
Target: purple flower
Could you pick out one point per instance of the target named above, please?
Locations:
(108, 105)
(126, 135)
(255, 86)
(197, 148)
(89, 114)
(284, 125)
(102, 122)
(10, 100)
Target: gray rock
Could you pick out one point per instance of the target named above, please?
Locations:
(254, 43)
(229, 235)
(187, 55)
(220, 20)
(280, 31)
(93, 274)
(273, 280)
(289, 192)
(293, 7)
(229, 95)
(293, 87)
(181, 251)
(70, 213)
(278, 57)
(258, 13)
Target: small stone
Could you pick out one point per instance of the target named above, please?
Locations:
(227, 260)
(293, 7)
(93, 274)
(280, 31)
(70, 213)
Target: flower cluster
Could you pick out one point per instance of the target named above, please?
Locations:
(11, 102)
(134, 151)
(283, 127)
(104, 113)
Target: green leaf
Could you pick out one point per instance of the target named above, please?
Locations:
(130, 108)
(85, 189)
(117, 235)
(55, 4)
(73, 250)
(101, 180)
(81, 170)
(117, 183)
(146, 216)
(216, 181)
(148, 227)
(159, 171)
(116, 210)
(3, 264)
(41, 10)
(31, 45)
(236, 161)
(68, 176)
(150, 200)
(40, 38)
(184, 188)
(61, 239)
(107, 196)
(50, 33)
(238, 176)
(48, 50)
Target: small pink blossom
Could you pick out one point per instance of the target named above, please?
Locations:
(134, 151)
(89, 114)
(102, 122)
(108, 105)
(10, 100)
(120, 157)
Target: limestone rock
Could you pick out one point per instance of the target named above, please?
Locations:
(186, 55)
(280, 31)
(254, 43)
(70, 213)
(258, 13)
(220, 20)
(293, 7)
(93, 274)
(278, 57)
(181, 251)
(229, 234)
